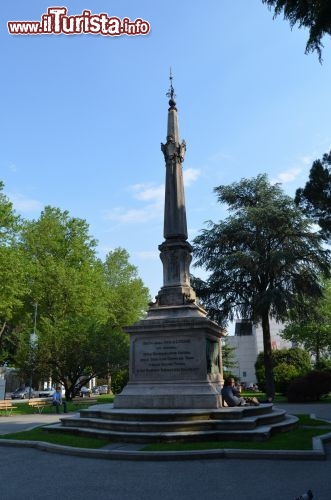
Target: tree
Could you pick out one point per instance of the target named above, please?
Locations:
(311, 326)
(127, 296)
(127, 300)
(83, 303)
(228, 357)
(315, 198)
(312, 14)
(67, 282)
(12, 273)
(262, 259)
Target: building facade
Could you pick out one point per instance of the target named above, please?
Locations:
(248, 343)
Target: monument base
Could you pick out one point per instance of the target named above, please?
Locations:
(170, 396)
(175, 361)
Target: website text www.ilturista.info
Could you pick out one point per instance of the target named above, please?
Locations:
(57, 22)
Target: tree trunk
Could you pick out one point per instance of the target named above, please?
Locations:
(317, 359)
(109, 381)
(2, 329)
(269, 375)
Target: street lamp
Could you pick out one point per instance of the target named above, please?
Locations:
(33, 345)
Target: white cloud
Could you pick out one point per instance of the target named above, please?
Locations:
(133, 215)
(220, 155)
(302, 165)
(148, 192)
(306, 160)
(153, 195)
(23, 204)
(190, 175)
(151, 211)
(12, 167)
(287, 176)
(148, 255)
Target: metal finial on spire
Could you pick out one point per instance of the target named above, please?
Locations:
(171, 92)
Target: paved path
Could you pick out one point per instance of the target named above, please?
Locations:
(18, 423)
(28, 474)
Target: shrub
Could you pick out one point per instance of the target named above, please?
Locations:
(310, 387)
(296, 361)
(283, 375)
(323, 364)
(119, 380)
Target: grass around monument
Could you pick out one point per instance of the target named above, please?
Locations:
(62, 439)
(299, 439)
(25, 409)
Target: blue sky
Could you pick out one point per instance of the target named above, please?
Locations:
(83, 116)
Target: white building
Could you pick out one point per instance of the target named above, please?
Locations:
(248, 343)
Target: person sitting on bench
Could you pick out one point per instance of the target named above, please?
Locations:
(57, 400)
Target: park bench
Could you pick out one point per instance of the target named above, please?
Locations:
(84, 401)
(6, 407)
(40, 404)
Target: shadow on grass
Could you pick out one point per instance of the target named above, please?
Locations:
(40, 434)
(299, 439)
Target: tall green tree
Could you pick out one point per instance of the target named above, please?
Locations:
(310, 327)
(262, 259)
(66, 280)
(83, 303)
(228, 356)
(127, 301)
(12, 273)
(315, 198)
(312, 14)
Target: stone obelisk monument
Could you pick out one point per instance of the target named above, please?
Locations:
(175, 351)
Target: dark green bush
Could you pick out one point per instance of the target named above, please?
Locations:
(119, 380)
(283, 375)
(310, 387)
(323, 364)
(287, 365)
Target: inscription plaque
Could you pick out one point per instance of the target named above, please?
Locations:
(166, 358)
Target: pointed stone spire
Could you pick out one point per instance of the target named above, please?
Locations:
(175, 250)
(173, 131)
(175, 225)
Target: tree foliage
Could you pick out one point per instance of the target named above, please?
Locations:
(127, 300)
(310, 327)
(315, 197)
(228, 356)
(312, 14)
(288, 364)
(66, 281)
(262, 259)
(83, 303)
(13, 268)
(127, 297)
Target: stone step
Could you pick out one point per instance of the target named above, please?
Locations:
(108, 412)
(145, 426)
(258, 434)
(175, 426)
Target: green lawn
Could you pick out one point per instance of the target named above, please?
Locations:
(39, 434)
(25, 409)
(299, 439)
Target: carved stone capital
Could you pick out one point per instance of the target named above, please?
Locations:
(173, 151)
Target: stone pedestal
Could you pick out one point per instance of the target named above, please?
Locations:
(175, 361)
(175, 352)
